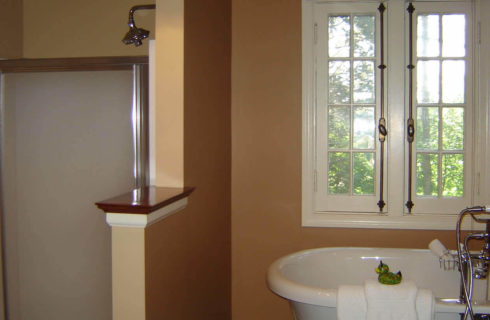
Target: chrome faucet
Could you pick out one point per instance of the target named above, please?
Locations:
(472, 265)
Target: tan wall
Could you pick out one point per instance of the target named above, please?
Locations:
(168, 139)
(266, 165)
(59, 28)
(188, 274)
(11, 20)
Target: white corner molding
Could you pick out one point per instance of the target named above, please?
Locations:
(138, 220)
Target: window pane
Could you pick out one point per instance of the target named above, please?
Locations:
(338, 172)
(364, 90)
(339, 82)
(363, 174)
(427, 174)
(428, 35)
(428, 81)
(452, 128)
(453, 76)
(339, 36)
(364, 128)
(364, 36)
(427, 137)
(452, 175)
(453, 35)
(339, 127)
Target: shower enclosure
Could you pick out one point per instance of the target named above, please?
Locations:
(69, 137)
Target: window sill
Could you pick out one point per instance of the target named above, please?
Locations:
(384, 221)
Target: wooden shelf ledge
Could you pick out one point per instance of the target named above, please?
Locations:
(144, 200)
(144, 206)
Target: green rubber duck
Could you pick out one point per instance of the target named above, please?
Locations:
(387, 277)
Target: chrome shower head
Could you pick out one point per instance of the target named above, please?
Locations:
(136, 35)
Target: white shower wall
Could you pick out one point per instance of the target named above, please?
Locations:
(66, 144)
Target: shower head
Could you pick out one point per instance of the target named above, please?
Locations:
(136, 35)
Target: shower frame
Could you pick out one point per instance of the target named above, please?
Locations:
(140, 101)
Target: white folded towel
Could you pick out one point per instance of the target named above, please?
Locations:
(351, 303)
(384, 302)
(425, 304)
(390, 302)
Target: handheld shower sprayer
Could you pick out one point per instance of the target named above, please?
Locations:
(136, 35)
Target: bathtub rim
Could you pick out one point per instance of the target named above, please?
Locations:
(295, 291)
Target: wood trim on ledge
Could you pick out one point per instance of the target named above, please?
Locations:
(145, 200)
(71, 64)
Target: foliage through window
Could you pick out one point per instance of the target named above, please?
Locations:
(351, 104)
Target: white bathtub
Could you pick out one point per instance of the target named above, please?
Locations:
(309, 279)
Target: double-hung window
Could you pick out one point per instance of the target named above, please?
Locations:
(389, 113)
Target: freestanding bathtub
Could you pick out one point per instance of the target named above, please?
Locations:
(309, 279)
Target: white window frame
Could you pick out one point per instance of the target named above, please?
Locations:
(364, 203)
(395, 216)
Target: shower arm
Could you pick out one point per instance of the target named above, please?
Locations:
(136, 8)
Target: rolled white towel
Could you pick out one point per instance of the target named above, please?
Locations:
(438, 248)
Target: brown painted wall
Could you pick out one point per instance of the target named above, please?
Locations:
(189, 271)
(266, 159)
(11, 20)
(59, 28)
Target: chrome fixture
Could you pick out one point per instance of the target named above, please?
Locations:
(136, 35)
(473, 265)
(140, 119)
